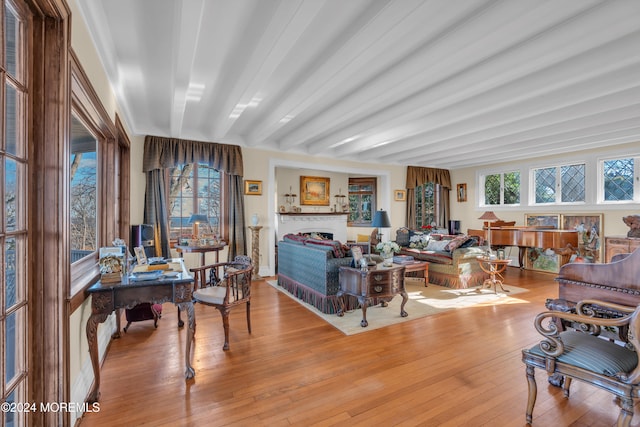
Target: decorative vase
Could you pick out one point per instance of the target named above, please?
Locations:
(255, 219)
(388, 259)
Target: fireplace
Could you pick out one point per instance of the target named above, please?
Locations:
(328, 224)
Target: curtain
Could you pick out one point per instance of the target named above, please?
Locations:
(163, 153)
(155, 210)
(417, 176)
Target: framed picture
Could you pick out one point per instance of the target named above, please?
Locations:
(542, 220)
(252, 188)
(356, 252)
(141, 256)
(462, 192)
(542, 260)
(590, 234)
(314, 190)
(400, 195)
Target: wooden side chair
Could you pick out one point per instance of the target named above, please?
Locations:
(588, 353)
(225, 285)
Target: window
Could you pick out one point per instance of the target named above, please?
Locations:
(620, 181)
(559, 184)
(195, 190)
(362, 201)
(501, 189)
(425, 204)
(13, 223)
(83, 181)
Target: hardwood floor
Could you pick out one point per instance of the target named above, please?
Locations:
(458, 368)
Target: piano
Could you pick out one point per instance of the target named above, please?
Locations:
(563, 242)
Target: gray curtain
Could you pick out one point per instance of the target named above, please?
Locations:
(155, 210)
(417, 176)
(163, 153)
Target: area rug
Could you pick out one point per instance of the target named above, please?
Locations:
(423, 301)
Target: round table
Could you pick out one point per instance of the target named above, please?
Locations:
(202, 250)
(494, 267)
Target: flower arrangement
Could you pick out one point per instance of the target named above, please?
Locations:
(387, 247)
(429, 228)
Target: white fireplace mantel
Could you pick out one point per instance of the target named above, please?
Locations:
(335, 223)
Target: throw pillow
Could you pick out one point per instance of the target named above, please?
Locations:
(456, 242)
(471, 241)
(403, 237)
(362, 238)
(437, 245)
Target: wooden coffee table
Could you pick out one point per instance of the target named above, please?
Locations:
(417, 266)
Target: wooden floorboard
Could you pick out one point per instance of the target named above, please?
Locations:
(458, 368)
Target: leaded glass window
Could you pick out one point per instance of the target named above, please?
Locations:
(618, 179)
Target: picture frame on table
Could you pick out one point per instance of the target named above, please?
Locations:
(252, 187)
(314, 190)
(356, 253)
(141, 256)
(400, 195)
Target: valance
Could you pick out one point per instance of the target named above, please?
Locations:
(417, 175)
(164, 153)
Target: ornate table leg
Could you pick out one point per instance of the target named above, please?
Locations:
(363, 303)
(116, 334)
(92, 338)
(405, 298)
(191, 330)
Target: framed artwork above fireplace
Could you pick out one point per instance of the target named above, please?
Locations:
(314, 190)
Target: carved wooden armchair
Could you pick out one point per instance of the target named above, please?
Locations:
(225, 285)
(584, 354)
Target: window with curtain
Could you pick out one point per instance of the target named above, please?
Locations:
(195, 189)
(362, 201)
(425, 205)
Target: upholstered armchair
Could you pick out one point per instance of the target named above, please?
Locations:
(588, 352)
(225, 285)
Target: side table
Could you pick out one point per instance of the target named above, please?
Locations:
(202, 250)
(378, 283)
(493, 267)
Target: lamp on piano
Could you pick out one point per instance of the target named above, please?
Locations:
(489, 216)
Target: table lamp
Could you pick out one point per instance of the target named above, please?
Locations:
(489, 216)
(196, 219)
(380, 220)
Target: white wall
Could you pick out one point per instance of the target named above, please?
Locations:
(469, 211)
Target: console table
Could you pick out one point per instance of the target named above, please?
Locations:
(376, 284)
(109, 297)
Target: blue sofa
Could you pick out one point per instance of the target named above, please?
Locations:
(309, 269)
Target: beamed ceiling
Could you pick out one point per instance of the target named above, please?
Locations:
(439, 83)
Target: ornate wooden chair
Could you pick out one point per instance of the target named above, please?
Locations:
(587, 354)
(225, 285)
